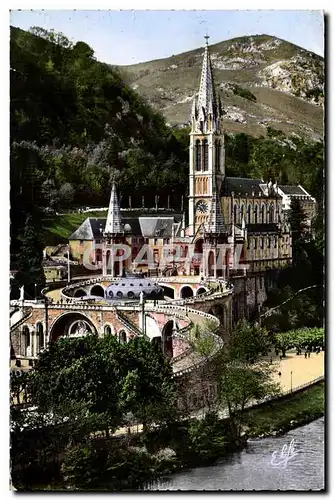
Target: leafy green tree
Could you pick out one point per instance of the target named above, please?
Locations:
(297, 220)
(148, 391)
(29, 269)
(81, 370)
(240, 371)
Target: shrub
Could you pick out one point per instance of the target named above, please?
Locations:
(246, 94)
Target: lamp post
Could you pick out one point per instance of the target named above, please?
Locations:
(35, 292)
(291, 379)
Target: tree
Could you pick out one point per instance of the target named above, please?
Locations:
(50, 194)
(245, 374)
(240, 372)
(30, 270)
(66, 194)
(297, 221)
(148, 390)
(80, 371)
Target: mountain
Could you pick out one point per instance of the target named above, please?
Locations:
(263, 81)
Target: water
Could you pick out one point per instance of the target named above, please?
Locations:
(251, 468)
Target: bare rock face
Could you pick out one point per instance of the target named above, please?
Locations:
(262, 80)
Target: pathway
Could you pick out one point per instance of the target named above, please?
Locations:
(303, 369)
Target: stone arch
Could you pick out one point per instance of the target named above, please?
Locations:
(79, 293)
(168, 291)
(61, 325)
(166, 339)
(97, 290)
(199, 246)
(79, 327)
(122, 337)
(186, 292)
(107, 330)
(200, 291)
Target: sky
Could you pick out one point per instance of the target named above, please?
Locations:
(128, 37)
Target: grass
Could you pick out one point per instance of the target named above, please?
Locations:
(300, 408)
(58, 228)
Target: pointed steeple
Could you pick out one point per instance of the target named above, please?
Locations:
(205, 111)
(114, 222)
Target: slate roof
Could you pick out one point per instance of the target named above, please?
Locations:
(241, 185)
(292, 190)
(152, 226)
(156, 227)
(262, 228)
(90, 229)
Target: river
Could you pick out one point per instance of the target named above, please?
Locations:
(254, 468)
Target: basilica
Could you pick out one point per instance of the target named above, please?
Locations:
(235, 228)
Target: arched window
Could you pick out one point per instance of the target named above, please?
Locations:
(40, 337)
(242, 213)
(248, 214)
(262, 214)
(107, 330)
(271, 214)
(122, 337)
(256, 209)
(198, 155)
(206, 155)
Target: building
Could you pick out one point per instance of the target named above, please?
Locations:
(307, 202)
(227, 216)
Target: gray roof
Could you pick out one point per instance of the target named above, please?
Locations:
(292, 190)
(152, 226)
(90, 229)
(241, 185)
(156, 227)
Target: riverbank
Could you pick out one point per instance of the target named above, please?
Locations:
(279, 416)
(135, 462)
(271, 419)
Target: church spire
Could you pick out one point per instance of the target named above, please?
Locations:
(113, 223)
(205, 112)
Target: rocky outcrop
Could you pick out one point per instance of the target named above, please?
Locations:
(276, 73)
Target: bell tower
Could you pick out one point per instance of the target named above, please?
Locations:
(206, 153)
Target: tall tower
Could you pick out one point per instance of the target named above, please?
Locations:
(113, 234)
(206, 154)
